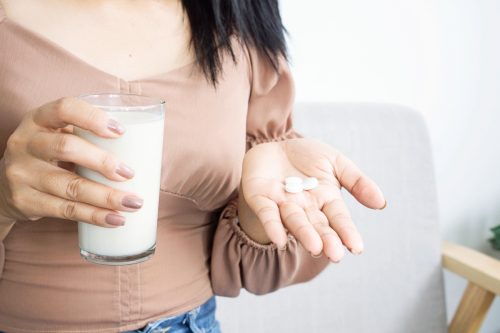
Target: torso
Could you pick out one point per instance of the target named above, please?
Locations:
(47, 52)
(43, 59)
(136, 39)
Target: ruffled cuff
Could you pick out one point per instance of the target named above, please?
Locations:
(254, 140)
(240, 262)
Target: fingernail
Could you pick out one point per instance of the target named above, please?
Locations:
(115, 127)
(356, 252)
(131, 201)
(385, 205)
(334, 261)
(282, 248)
(124, 171)
(316, 256)
(115, 220)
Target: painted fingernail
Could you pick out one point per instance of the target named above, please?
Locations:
(115, 127)
(131, 201)
(385, 205)
(115, 220)
(125, 171)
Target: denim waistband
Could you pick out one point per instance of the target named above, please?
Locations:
(198, 320)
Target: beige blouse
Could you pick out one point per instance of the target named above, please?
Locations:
(44, 283)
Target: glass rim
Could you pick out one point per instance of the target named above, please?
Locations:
(153, 102)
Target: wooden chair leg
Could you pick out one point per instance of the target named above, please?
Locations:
(472, 309)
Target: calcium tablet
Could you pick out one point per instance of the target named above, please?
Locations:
(293, 188)
(310, 183)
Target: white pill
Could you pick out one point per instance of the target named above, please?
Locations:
(309, 183)
(293, 188)
(293, 180)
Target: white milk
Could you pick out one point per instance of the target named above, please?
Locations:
(140, 147)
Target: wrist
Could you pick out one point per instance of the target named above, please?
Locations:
(250, 223)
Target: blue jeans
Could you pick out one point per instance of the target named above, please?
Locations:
(199, 320)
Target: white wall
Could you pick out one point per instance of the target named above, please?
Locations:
(441, 57)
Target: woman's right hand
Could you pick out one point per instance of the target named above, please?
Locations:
(33, 185)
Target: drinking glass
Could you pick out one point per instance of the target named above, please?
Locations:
(140, 147)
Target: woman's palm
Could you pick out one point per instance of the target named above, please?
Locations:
(318, 218)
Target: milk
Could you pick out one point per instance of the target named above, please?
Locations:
(140, 147)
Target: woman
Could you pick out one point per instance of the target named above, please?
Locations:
(221, 67)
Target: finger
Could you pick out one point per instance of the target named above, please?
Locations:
(70, 186)
(70, 166)
(268, 213)
(358, 184)
(296, 221)
(73, 111)
(43, 204)
(340, 220)
(67, 129)
(71, 148)
(332, 245)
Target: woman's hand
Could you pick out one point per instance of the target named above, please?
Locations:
(33, 181)
(318, 218)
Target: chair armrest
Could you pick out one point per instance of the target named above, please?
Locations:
(476, 267)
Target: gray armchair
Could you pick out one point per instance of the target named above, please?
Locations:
(396, 286)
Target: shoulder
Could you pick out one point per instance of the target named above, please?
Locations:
(264, 74)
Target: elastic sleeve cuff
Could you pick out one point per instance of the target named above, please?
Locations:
(255, 140)
(239, 262)
(230, 218)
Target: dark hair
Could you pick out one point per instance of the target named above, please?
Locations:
(256, 23)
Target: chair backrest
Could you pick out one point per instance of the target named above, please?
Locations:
(396, 286)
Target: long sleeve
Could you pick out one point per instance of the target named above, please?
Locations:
(238, 261)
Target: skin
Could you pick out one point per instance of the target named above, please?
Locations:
(318, 218)
(36, 178)
(115, 39)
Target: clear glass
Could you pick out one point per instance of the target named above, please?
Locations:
(140, 147)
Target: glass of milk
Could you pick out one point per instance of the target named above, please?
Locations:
(140, 147)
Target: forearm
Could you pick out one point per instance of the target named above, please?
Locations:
(243, 256)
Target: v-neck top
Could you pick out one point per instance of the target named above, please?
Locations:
(45, 286)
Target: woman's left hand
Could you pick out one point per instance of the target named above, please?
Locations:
(317, 218)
